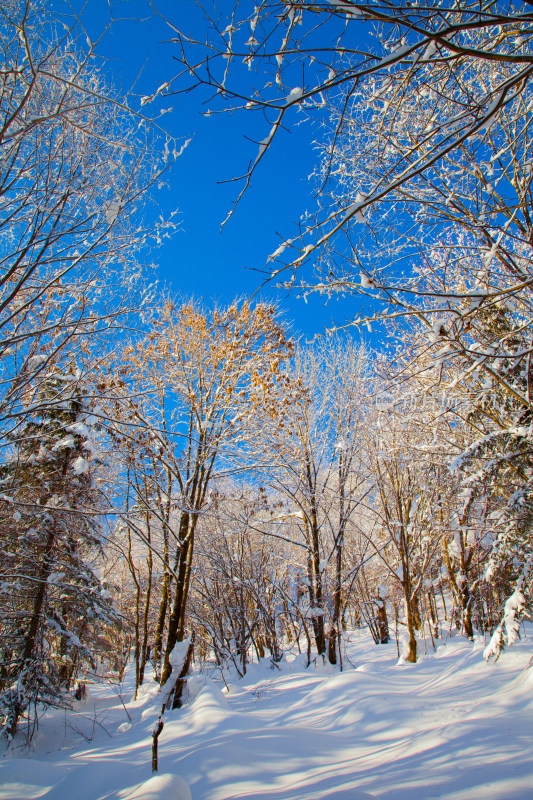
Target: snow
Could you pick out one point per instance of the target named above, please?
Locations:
(264, 143)
(80, 466)
(491, 113)
(514, 606)
(439, 327)
(295, 94)
(354, 211)
(78, 427)
(112, 211)
(178, 655)
(429, 52)
(170, 787)
(451, 726)
(34, 362)
(347, 8)
(65, 443)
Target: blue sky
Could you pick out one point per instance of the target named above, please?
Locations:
(201, 260)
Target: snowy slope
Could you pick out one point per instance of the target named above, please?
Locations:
(450, 726)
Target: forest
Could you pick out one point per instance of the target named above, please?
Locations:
(190, 486)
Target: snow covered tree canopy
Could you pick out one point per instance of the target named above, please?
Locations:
(423, 120)
(304, 56)
(75, 164)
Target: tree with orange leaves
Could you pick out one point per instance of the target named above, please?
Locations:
(189, 390)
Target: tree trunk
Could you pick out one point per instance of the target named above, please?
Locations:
(382, 621)
(410, 627)
(176, 623)
(28, 654)
(160, 626)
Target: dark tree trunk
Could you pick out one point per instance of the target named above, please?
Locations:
(29, 652)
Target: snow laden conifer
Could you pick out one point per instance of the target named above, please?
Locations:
(478, 365)
(498, 465)
(51, 592)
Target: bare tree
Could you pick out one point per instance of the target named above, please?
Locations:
(312, 450)
(236, 603)
(75, 163)
(303, 56)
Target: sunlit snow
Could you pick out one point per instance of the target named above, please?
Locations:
(451, 727)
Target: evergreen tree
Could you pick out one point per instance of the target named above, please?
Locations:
(50, 518)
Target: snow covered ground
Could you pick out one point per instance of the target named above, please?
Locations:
(450, 726)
